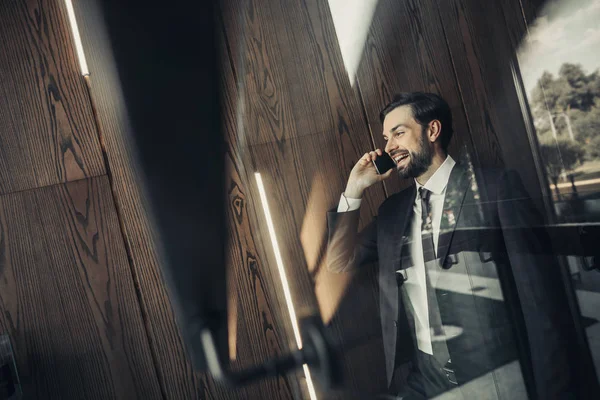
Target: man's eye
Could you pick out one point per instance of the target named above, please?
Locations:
(399, 133)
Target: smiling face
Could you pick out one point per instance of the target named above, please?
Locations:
(407, 143)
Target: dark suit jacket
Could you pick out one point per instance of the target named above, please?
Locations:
(484, 233)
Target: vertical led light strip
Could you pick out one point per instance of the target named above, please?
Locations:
(77, 38)
(284, 281)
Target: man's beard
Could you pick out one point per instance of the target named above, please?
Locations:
(419, 162)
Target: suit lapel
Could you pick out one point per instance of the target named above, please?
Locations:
(395, 218)
(400, 224)
(458, 185)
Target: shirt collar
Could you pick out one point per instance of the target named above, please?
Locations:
(439, 180)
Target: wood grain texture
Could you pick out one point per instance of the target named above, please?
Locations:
(288, 53)
(406, 51)
(262, 322)
(268, 114)
(260, 316)
(66, 296)
(326, 111)
(288, 172)
(47, 131)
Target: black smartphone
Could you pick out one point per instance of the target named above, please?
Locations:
(384, 163)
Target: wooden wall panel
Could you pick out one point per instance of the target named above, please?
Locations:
(259, 321)
(47, 131)
(288, 172)
(242, 203)
(297, 42)
(66, 296)
(326, 87)
(267, 109)
(262, 326)
(287, 55)
(292, 174)
(406, 51)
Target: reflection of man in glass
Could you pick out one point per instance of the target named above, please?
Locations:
(467, 292)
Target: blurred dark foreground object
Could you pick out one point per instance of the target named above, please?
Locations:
(9, 380)
(167, 62)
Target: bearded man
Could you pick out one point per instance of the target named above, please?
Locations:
(468, 293)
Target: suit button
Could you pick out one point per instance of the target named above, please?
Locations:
(396, 324)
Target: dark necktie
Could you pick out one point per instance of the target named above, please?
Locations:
(440, 350)
(426, 225)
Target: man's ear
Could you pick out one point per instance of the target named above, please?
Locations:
(434, 130)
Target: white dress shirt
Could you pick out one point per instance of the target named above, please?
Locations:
(415, 284)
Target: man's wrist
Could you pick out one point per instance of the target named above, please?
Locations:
(353, 193)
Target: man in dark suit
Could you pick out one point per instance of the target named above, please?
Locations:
(467, 292)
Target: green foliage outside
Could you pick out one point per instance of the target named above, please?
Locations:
(573, 96)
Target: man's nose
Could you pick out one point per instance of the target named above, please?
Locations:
(388, 146)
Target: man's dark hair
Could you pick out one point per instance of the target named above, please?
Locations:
(425, 107)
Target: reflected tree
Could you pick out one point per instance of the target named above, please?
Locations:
(560, 156)
(567, 106)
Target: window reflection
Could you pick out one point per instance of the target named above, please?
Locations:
(307, 129)
(559, 62)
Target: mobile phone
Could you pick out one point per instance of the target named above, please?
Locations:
(384, 163)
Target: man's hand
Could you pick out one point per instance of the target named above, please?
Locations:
(364, 175)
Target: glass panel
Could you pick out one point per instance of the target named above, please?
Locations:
(559, 62)
(463, 294)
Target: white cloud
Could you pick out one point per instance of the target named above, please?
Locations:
(560, 36)
(591, 8)
(545, 35)
(549, 34)
(592, 37)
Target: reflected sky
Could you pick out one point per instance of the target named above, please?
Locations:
(565, 31)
